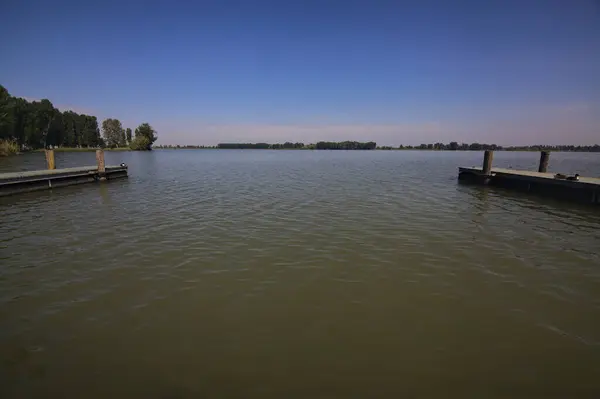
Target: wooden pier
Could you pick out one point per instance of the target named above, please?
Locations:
(572, 188)
(21, 182)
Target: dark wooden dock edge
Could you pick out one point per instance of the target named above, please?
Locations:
(22, 182)
(583, 190)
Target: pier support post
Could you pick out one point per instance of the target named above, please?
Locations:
(488, 157)
(50, 159)
(101, 166)
(544, 158)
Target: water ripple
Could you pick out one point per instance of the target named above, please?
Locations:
(240, 262)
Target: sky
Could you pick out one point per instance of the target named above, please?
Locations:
(395, 72)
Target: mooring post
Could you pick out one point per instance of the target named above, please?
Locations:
(100, 162)
(50, 159)
(544, 158)
(488, 157)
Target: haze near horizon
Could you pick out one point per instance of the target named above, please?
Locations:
(504, 72)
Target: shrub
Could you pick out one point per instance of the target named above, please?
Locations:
(141, 143)
(8, 147)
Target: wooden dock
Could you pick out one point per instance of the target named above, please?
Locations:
(21, 182)
(583, 189)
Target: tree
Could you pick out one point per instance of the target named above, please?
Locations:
(345, 145)
(70, 137)
(113, 132)
(128, 135)
(6, 114)
(123, 141)
(37, 120)
(38, 124)
(140, 143)
(146, 131)
(56, 130)
(91, 133)
(453, 146)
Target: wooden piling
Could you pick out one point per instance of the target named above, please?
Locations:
(488, 157)
(50, 159)
(544, 158)
(100, 160)
(101, 166)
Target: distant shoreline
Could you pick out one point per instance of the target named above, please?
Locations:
(371, 145)
(120, 149)
(375, 149)
(77, 149)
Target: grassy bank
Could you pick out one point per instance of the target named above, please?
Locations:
(75, 149)
(8, 147)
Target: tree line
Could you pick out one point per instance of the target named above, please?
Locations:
(38, 124)
(455, 146)
(321, 145)
(561, 148)
(260, 146)
(184, 147)
(345, 145)
(452, 146)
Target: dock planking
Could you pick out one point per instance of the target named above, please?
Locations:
(584, 189)
(534, 176)
(35, 180)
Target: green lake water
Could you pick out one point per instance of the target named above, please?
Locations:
(298, 274)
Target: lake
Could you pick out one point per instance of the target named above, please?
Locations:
(298, 274)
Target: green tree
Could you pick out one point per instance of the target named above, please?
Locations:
(70, 132)
(56, 130)
(6, 113)
(113, 132)
(37, 124)
(90, 135)
(37, 120)
(128, 135)
(140, 143)
(19, 113)
(146, 131)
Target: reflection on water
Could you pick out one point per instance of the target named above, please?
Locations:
(298, 274)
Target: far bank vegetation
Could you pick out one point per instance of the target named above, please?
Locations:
(353, 145)
(30, 125)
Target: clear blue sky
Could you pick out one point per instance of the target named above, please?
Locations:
(202, 72)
